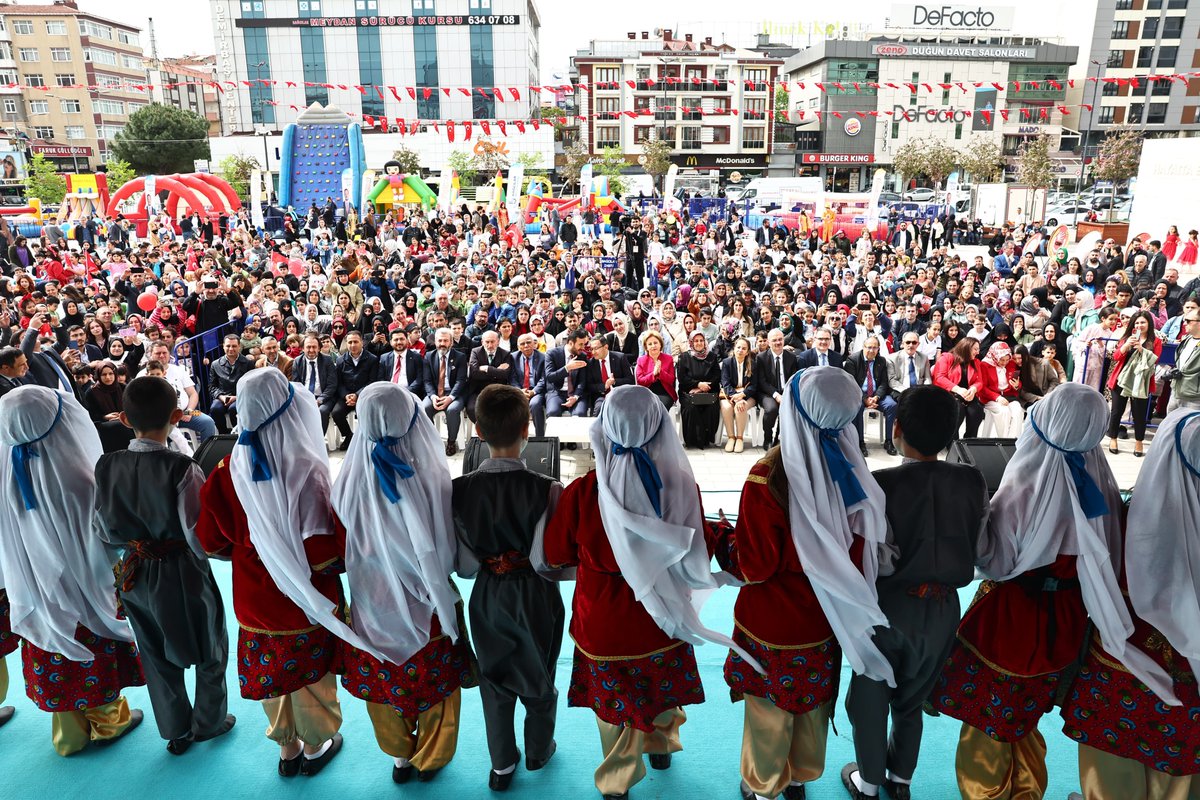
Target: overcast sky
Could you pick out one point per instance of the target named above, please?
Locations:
(185, 26)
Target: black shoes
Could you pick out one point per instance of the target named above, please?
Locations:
(451, 448)
(890, 449)
(403, 774)
(6, 713)
(622, 796)
(312, 766)
(498, 782)
(897, 791)
(863, 449)
(425, 776)
(180, 745)
(660, 761)
(534, 764)
(795, 792)
(290, 767)
(847, 771)
(345, 445)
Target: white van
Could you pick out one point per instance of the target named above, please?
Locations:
(767, 193)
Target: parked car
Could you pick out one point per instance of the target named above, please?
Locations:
(887, 198)
(920, 195)
(1066, 214)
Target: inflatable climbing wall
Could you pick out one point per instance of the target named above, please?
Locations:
(322, 157)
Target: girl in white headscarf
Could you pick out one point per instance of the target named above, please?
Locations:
(57, 574)
(635, 528)
(267, 508)
(810, 515)
(1050, 549)
(1129, 736)
(393, 496)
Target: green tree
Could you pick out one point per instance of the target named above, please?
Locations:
(464, 165)
(1035, 168)
(658, 157)
(576, 156)
(160, 140)
(44, 182)
(782, 99)
(931, 158)
(554, 115)
(1119, 158)
(119, 173)
(236, 170)
(612, 164)
(410, 162)
(981, 159)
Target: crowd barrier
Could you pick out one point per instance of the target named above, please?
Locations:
(202, 348)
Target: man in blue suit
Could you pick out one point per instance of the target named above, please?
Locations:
(529, 375)
(821, 354)
(446, 385)
(565, 376)
(403, 366)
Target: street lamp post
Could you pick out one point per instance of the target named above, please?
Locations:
(1084, 143)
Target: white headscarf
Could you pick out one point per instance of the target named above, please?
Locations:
(832, 497)
(57, 572)
(1162, 536)
(651, 511)
(280, 471)
(1058, 496)
(393, 496)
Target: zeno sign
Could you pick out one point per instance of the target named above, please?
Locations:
(929, 17)
(916, 113)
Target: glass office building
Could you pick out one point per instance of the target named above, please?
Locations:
(284, 53)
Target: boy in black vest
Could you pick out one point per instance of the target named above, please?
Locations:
(936, 512)
(500, 512)
(148, 499)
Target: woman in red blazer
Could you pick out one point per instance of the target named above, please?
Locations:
(656, 370)
(998, 395)
(958, 371)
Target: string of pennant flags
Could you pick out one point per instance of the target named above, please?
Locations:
(514, 94)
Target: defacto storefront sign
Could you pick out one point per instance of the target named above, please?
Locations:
(953, 18)
(928, 114)
(957, 51)
(837, 158)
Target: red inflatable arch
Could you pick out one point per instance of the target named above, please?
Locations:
(202, 192)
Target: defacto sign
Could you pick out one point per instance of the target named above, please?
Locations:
(927, 114)
(953, 18)
(956, 51)
(837, 158)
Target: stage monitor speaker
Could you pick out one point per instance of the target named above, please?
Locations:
(989, 456)
(541, 455)
(213, 450)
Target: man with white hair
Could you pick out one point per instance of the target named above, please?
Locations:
(77, 653)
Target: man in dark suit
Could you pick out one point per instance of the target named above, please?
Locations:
(774, 369)
(223, 376)
(821, 353)
(318, 373)
(529, 375)
(445, 384)
(870, 371)
(46, 367)
(403, 366)
(356, 370)
(489, 364)
(606, 371)
(565, 378)
(13, 367)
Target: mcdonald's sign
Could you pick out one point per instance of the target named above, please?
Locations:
(722, 161)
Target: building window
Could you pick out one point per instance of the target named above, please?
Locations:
(691, 139)
(608, 136)
(312, 55)
(758, 75)
(132, 62)
(946, 91)
(1167, 56)
(643, 133)
(1109, 90)
(1156, 114)
(1145, 56)
(109, 108)
(111, 82)
(29, 54)
(65, 79)
(99, 56)
(754, 138)
(1120, 30)
(39, 106)
(60, 54)
(10, 105)
(34, 79)
(958, 126)
(23, 26)
(607, 74)
(1158, 88)
(1135, 113)
(56, 28)
(483, 70)
(109, 132)
(43, 132)
(1172, 27)
(895, 133)
(94, 30)
(643, 73)
(366, 7)
(426, 54)
(849, 73)
(1176, 4)
(720, 135)
(912, 98)
(755, 108)
(1124, 5)
(1150, 28)
(5, 51)
(1116, 58)
(8, 76)
(70, 106)
(481, 6)
(608, 105)
(258, 67)
(1153, 5)
(76, 132)
(129, 37)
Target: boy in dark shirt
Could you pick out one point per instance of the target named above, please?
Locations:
(936, 512)
(500, 513)
(148, 500)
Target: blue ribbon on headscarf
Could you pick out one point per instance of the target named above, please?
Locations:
(646, 471)
(1179, 426)
(1091, 499)
(841, 471)
(22, 454)
(260, 466)
(390, 467)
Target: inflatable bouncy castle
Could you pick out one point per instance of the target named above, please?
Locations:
(322, 158)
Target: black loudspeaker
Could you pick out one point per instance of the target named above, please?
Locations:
(213, 450)
(541, 455)
(989, 456)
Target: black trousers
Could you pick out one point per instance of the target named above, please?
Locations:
(341, 417)
(1140, 407)
(973, 413)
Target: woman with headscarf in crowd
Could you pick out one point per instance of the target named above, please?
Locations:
(393, 496)
(1034, 315)
(1131, 378)
(1001, 379)
(635, 529)
(622, 339)
(958, 371)
(1049, 551)
(104, 400)
(699, 374)
(1133, 741)
(77, 651)
(809, 529)
(656, 369)
(793, 335)
(267, 508)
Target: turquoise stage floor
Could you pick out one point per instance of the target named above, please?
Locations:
(242, 764)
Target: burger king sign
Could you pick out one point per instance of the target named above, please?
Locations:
(853, 126)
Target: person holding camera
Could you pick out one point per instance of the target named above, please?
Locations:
(1185, 386)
